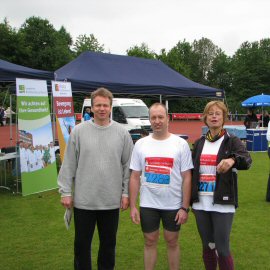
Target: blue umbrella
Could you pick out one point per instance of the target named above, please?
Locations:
(257, 101)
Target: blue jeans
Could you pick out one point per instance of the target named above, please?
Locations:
(107, 224)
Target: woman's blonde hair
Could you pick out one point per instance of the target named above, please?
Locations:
(220, 105)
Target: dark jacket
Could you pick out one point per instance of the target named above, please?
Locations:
(226, 191)
(249, 119)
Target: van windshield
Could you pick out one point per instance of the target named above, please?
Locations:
(135, 111)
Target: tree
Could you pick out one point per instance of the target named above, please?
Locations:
(87, 43)
(219, 75)
(205, 52)
(9, 45)
(45, 47)
(250, 70)
(142, 51)
(178, 58)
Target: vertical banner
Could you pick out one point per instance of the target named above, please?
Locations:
(37, 157)
(63, 108)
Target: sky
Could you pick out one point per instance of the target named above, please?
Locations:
(161, 24)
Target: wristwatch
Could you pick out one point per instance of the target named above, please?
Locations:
(185, 209)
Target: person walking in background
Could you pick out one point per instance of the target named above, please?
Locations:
(87, 114)
(250, 119)
(162, 163)
(8, 113)
(2, 115)
(96, 162)
(216, 158)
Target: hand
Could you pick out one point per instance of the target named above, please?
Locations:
(181, 217)
(224, 165)
(67, 201)
(124, 203)
(135, 215)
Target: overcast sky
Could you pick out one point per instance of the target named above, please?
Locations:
(121, 24)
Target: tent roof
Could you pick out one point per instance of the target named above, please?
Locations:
(130, 75)
(9, 72)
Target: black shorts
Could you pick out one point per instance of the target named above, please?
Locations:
(150, 219)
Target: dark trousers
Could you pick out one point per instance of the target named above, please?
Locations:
(268, 183)
(215, 228)
(107, 224)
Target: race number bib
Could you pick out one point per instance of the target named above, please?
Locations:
(158, 170)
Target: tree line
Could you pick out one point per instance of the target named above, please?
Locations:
(37, 44)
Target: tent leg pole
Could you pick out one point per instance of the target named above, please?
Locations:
(10, 119)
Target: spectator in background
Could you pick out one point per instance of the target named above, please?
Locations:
(250, 119)
(2, 115)
(9, 113)
(144, 133)
(87, 114)
(264, 119)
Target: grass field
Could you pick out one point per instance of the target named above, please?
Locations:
(33, 235)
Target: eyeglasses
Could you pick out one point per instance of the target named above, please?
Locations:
(215, 113)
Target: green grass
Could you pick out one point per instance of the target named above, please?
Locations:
(33, 235)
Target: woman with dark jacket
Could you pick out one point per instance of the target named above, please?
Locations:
(216, 158)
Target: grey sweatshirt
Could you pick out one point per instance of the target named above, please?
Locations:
(96, 162)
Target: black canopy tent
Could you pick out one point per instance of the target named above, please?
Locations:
(9, 72)
(130, 75)
(120, 74)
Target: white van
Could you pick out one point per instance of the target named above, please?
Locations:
(131, 113)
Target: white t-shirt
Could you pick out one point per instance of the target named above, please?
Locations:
(52, 153)
(207, 183)
(161, 163)
(268, 134)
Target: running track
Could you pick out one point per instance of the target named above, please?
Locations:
(191, 128)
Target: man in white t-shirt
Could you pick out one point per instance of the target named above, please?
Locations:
(161, 170)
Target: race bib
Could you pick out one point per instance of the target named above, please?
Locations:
(158, 170)
(207, 184)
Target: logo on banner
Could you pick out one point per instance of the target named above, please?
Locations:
(21, 88)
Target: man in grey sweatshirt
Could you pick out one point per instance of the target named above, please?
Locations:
(94, 180)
